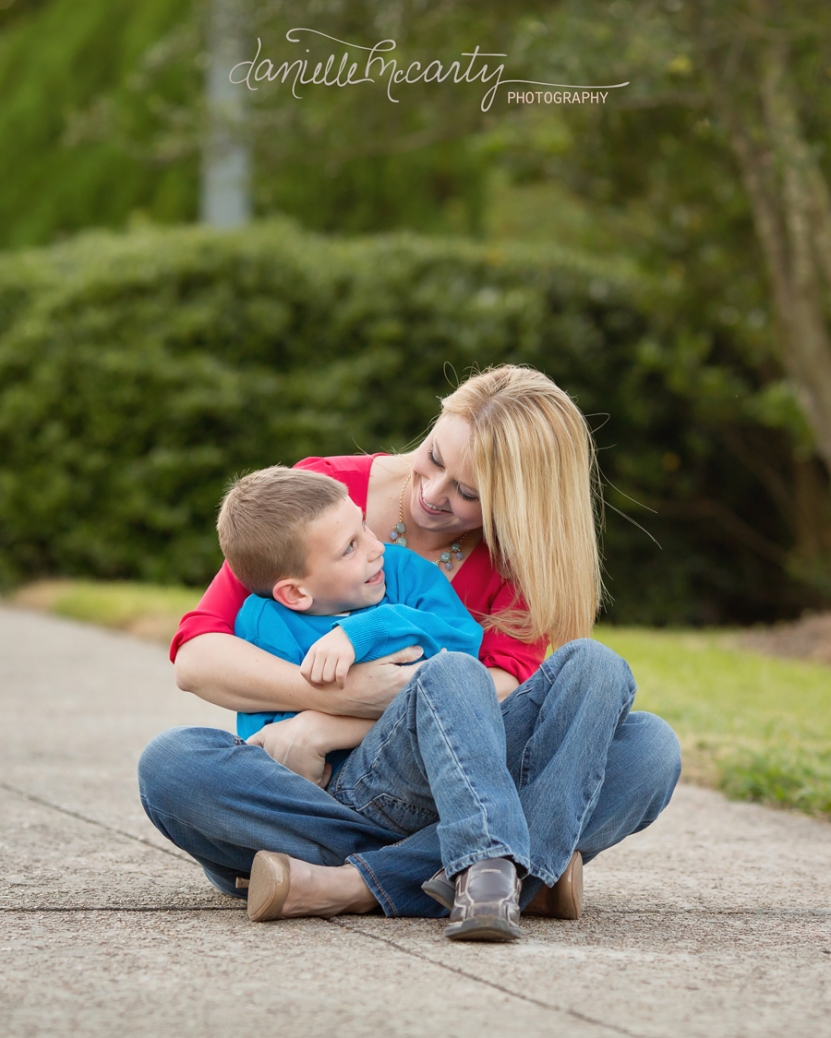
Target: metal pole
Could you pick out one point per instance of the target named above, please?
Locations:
(225, 199)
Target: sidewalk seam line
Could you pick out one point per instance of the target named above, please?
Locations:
(738, 913)
(488, 983)
(91, 821)
(119, 908)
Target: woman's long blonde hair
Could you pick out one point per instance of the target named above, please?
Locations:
(533, 459)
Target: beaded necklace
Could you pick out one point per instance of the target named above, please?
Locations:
(399, 530)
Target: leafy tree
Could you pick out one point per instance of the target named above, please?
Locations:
(114, 95)
(138, 372)
(712, 171)
(59, 59)
(662, 174)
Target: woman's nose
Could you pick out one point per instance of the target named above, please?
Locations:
(434, 491)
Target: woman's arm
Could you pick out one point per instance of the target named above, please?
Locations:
(301, 743)
(215, 665)
(510, 661)
(216, 612)
(505, 682)
(232, 673)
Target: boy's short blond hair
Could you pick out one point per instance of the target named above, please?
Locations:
(263, 521)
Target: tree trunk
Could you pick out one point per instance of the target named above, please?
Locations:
(792, 214)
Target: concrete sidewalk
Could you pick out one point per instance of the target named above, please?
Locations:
(714, 922)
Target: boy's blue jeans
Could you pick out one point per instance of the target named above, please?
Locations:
(437, 755)
(588, 773)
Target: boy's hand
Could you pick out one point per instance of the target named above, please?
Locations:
(329, 659)
(289, 743)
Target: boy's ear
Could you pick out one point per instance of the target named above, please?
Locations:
(291, 593)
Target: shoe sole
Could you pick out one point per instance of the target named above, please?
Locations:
(268, 886)
(483, 928)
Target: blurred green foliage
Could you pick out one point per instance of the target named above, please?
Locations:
(138, 373)
(59, 60)
(146, 610)
(784, 776)
(103, 117)
(652, 174)
(140, 368)
(755, 726)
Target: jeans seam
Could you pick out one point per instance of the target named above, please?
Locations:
(524, 766)
(382, 746)
(390, 905)
(449, 745)
(390, 824)
(180, 821)
(590, 801)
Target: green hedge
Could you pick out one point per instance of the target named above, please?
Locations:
(59, 59)
(138, 373)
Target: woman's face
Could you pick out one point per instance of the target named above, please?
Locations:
(443, 495)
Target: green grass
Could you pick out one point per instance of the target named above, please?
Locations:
(146, 610)
(755, 726)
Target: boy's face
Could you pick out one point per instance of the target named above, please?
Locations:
(344, 563)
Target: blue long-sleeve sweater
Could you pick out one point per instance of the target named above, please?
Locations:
(419, 608)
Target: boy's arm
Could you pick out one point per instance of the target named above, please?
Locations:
(423, 610)
(260, 623)
(263, 626)
(329, 659)
(396, 626)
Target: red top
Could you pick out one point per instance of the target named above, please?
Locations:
(478, 585)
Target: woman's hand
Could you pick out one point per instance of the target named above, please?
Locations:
(371, 687)
(292, 743)
(301, 743)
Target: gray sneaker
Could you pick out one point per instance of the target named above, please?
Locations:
(486, 904)
(562, 901)
(440, 889)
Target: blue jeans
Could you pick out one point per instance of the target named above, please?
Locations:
(437, 755)
(588, 774)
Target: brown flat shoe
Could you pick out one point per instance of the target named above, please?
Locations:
(268, 886)
(565, 899)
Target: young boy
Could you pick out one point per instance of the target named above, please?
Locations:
(327, 594)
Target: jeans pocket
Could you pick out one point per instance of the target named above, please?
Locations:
(397, 815)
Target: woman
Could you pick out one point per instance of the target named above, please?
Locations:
(500, 495)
